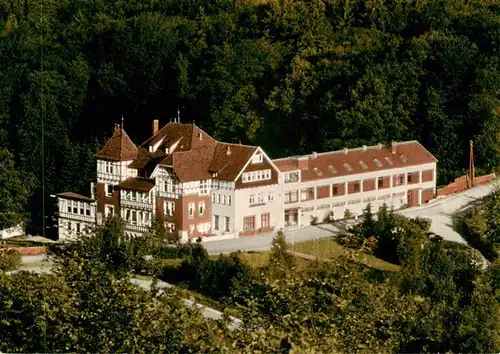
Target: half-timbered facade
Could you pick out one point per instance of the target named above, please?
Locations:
(200, 187)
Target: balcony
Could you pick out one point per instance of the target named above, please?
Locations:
(77, 217)
(134, 204)
(132, 226)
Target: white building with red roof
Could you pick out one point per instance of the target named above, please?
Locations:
(200, 187)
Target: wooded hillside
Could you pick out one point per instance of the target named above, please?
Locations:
(292, 76)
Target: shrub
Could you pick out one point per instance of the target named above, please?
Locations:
(9, 260)
(314, 220)
(348, 214)
(350, 240)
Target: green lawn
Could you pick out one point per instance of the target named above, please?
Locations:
(329, 248)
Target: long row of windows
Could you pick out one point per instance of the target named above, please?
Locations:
(136, 217)
(221, 199)
(81, 208)
(256, 176)
(136, 196)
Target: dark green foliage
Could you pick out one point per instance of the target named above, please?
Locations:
(9, 260)
(290, 76)
(14, 192)
(280, 260)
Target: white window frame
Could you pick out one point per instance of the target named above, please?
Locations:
(270, 197)
(191, 207)
(251, 199)
(216, 222)
(109, 210)
(204, 186)
(260, 197)
(228, 200)
(227, 222)
(201, 208)
(106, 190)
(258, 158)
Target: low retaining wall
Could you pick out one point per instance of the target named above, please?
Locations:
(28, 251)
(461, 184)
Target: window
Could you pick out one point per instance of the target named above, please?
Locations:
(335, 190)
(227, 224)
(363, 165)
(264, 220)
(169, 208)
(204, 187)
(69, 205)
(190, 210)
(82, 208)
(69, 226)
(75, 207)
(139, 218)
(257, 158)
(260, 197)
(307, 194)
(291, 196)
(134, 217)
(389, 161)
(249, 223)
(108, 167)
(380, 182)
(251, 199)
(317, 172)
(347, 167)
(109, 190)
(256, 176)
(356, 187)
(87, 210)
(213, 197)
(332, 169)
(270, 196)
(224, 199)
(377, 163)
(228, 200)
(216, 222)
(109, 210)
(291, 177)
(401, 179)
(201, 208)
(410, 178)
(78, 227)
(403, 159)
(218, 198)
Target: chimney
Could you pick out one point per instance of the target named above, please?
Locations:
(228, 152)
(379, 145)
(393, 147)
(302, 163)
(314, 155)
(116, 128)
(200, 136)
(346, 150)
(155, 126)
(365, 148)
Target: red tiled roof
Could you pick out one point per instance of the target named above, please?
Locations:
(333, 164)
(138, 183)
(118, 148)
(75, 196)
(228, 166)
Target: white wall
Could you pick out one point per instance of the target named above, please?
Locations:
(223, 190)
(12, 232)
(244, 209)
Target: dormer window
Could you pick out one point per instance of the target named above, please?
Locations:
(347, 167)
(363, 165)
(317, 172)
(403, 159)
(389, 161)
(377, 163)
(332, 169)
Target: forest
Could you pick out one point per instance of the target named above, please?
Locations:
(292, 76)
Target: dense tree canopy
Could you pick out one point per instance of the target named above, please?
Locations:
(292, 76)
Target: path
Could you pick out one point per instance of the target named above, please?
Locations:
(206, 311)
